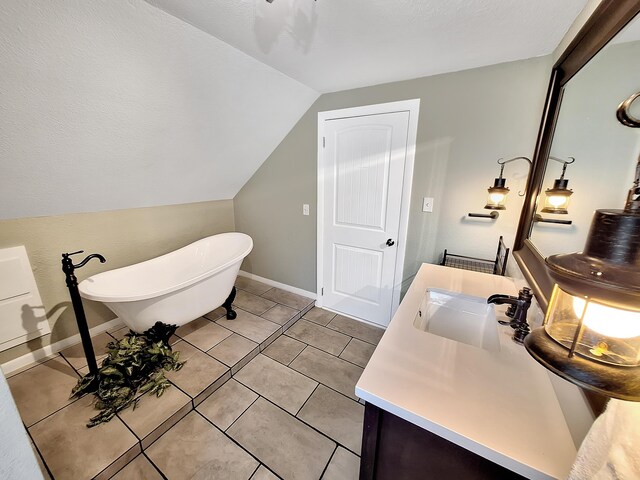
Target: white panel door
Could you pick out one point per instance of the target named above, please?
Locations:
(363, 167)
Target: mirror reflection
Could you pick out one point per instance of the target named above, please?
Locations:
(605, 151)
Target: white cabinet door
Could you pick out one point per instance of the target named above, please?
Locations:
(363, 168)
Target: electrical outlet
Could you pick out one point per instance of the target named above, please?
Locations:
(305, 209)
(427, 204)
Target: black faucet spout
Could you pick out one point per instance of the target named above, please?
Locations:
(501, 299)
(93, 255)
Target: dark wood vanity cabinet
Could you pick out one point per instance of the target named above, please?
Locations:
(395, 449)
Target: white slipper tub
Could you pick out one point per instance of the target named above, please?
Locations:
(175, 288)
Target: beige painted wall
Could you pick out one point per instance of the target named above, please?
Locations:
(467, 121)
(122, 236)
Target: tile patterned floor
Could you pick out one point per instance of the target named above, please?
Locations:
(268, 395)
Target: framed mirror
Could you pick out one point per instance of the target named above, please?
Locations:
(597, 71)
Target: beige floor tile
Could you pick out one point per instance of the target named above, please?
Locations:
(290, 323)
(115, 328)
(283, 386)
(357, 329)
(270, 340)
(250, 326)
(285, 445)
(335, 415)
(73, 451)
(320, 337)
(287, 298)
(155, 415)
(344, 465)
(195, 449)
(139, 469)
(319, 316)
(75, 353)
(233, 349)
(329, 370)
(43, 389)
(227, 403)
(252, 286)
(199, 372)
(252, 303)
(119, 333)
(263, 473)
(358, 352)
(280, 314)
(43, 469)
(216, 314)
(203, 333)
(284, 349)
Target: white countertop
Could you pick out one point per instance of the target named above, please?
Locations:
(499, 405)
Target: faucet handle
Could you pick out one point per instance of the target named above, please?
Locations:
(525, 294)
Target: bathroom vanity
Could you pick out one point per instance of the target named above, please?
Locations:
(449, 394)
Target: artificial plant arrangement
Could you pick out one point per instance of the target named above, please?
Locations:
(134, 365)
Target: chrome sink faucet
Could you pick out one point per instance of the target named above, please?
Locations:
(517, 311)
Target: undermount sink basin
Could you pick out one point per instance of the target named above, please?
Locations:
(459, 317)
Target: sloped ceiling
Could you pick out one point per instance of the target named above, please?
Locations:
(332, 45)
(122, 104)
(116, 104)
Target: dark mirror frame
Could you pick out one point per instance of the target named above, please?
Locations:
(607, 20)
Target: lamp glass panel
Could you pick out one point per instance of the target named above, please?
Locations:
(605, 333)
(557, 201)
(496, 198)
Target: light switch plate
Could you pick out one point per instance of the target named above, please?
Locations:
(427, 204)
(305, 209)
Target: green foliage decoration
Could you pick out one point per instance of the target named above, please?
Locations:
(134, 366)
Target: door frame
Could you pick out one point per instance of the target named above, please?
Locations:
(411, 106)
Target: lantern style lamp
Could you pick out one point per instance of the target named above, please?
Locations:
(557, 198)
(499, 191)
(591, 332)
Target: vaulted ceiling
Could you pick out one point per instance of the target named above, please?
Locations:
(332, 45)
(113, 105)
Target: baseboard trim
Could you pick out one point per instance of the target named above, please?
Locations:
(273, 283)
(49, 350)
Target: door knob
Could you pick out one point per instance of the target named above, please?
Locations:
(390, 243)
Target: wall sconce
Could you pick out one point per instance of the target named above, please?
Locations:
(557, 198)
(498, 192)
(591, 332)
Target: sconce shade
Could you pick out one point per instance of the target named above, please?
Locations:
(557, 198)
(497, 194)
(591, 332)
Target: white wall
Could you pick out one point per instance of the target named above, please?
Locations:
(115, 104)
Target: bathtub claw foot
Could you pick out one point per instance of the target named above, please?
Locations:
(228, 303)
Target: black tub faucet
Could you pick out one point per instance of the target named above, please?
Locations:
(517, 311)
(68, 267)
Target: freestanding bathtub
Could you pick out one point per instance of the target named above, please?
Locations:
(175, 288)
